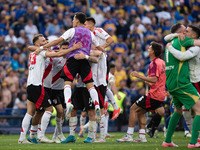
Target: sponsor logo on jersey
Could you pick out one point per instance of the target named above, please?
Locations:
(55, 101)
(49, 101)
(169, 67)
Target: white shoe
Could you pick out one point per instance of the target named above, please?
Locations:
(100, 140)
(126, 138)
(188, 135)
(55, 140)
(24, 142)
(44, 139)
(61, 137)
(109, 135)
(68, 111)
(140, 140)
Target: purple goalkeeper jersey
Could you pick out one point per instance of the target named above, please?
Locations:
(84, 35)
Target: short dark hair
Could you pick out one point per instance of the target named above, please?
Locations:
(175, 27)
(36, 37)
(157, 48)
(195, 29)
(112, 65)
(81, 17)
(64, 43)
(91, 19)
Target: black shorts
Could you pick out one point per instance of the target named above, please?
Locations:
(58, 98)
(148, 103)
(108, 70)
(101, 90)
(49, 92)
(38, 96)
(73, 66)
(81, 99)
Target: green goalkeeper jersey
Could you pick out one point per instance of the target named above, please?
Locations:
(177, 72)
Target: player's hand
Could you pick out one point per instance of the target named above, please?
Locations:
(181, 36)
(37, 51)
(79, 56)
(77, 45)
(134, 74)
(168, 44)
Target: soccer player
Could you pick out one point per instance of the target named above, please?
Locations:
(193, 56)
(99, 73)
(180, 87)
(73, 66)
(154, 100)
(37, 96)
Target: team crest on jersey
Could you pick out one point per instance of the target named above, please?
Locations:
(55, 101)
(49, 101)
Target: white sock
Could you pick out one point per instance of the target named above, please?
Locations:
(94, 96)
(82, 120)
(130, 131)
(33, 131)
(67, 94)
(86, 125)
(142, 133)
(92, 129)
(59, 125)
(106, 124)
(25, 125)
(102, 128)
(188, 118)
(110, 96)
(44, 122)
(72, 125)
(39, 130)
(55, 132)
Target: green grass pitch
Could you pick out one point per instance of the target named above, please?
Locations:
(9, 142)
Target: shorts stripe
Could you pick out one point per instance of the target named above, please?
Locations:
(89, 76)
(67, 73)
(194, 97)
(197, 86)
(100, 96)
(40, 99)
(148, 104)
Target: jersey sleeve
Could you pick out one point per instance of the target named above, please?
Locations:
(187, 42)
(43, 53)
(69, 34)
(101, 33)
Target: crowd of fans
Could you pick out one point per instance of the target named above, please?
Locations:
(133, 24)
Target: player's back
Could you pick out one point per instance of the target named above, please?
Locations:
(83, 35)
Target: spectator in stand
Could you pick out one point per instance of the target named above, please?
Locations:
(20, 104)
(30, 30)
(22, 37)
(6, 97)
(122, 29)
(109, 22)
(14, 61)
(119, 74)
(77, 7)
(99, 18)
(11, 37)
(30, 15)
(53, 28)
(5, 58)
(18, 25)
(19, 9)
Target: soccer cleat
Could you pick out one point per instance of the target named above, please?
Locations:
(33, 140)
(106, 106)
(98, 115)
(88, 140)
(55, 140)
(96, 135)
(197, 145)
(69, 139)
(23, 142)
(61, 137)
(109, 135)
(188, 135)
(68, 111)
(165, 144)
(81, 131)
(116, 113)
(143, 140)
(44, 139)
(126, 138)
(100, 140)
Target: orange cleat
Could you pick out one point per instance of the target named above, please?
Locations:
(116, 113)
